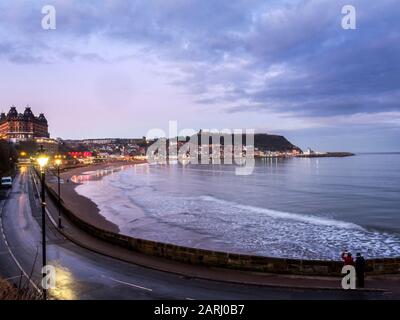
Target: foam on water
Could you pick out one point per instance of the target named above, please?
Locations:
(207, 221)
(285, 215)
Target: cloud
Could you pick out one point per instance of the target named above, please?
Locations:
(286, 57)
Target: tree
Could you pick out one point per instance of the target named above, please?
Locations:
(8, 157)
(30, 147)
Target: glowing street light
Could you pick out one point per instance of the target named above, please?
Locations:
(42, 160)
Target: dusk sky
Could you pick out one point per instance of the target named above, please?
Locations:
(120, 68)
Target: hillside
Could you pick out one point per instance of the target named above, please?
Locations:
(273, 143)
(267, 142)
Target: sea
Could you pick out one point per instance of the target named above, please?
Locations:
(308, 208)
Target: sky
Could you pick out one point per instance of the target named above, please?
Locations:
(120, 68)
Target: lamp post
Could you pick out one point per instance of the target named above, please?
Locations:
(42, 161)
(58, 162)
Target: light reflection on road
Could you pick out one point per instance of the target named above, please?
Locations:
(65, 282)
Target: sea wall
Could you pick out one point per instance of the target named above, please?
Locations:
(220, 259)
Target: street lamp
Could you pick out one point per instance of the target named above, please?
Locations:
(42, 161)
(58, 162)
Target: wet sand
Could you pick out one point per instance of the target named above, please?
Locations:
(83, 207)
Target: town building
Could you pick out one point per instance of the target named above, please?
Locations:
(50, 145)
(17, 127)
(27, 130)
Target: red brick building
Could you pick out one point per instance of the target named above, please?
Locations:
(16, 126)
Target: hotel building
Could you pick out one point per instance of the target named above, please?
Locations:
(17, 127)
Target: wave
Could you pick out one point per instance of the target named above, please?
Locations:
(198, 217)
(286, 215)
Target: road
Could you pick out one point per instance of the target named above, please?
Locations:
(82, 274)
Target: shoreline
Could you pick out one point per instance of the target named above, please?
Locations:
(102, 229)
(103, 210)
(86, 209)
(326, 155)
(214, 258)
(82, 206)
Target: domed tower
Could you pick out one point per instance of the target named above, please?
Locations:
(9, 127)
(28, 114)
(42, 118)
(3, 126)
(13, 113)
(41, 127)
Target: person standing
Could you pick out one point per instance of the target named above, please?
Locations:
(360, 270)
(347, 258)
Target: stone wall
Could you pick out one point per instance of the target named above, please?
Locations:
(224, 259)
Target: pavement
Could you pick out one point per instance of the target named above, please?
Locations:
(88, 268)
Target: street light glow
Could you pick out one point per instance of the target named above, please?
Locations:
(58, 162)
(42, 161)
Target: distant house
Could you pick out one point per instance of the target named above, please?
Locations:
(309, 151)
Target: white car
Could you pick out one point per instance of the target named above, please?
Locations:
(6, 182)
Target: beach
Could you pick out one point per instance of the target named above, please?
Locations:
(291, 208)
(82, 206)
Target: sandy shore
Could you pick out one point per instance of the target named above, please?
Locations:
(83, 207)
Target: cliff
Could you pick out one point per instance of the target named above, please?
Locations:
(271, 142)
(265, 141)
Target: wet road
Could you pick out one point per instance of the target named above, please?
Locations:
(82, 274)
